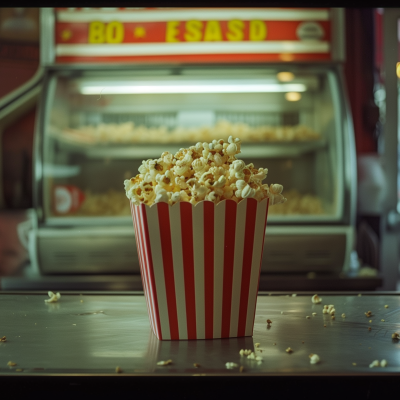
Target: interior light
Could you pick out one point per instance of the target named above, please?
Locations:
(292, 96)
(285, 76)
(189, 87)
(398, 69)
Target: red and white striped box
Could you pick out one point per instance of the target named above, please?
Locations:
(200, 266)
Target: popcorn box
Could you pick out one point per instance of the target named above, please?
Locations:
(200, 266)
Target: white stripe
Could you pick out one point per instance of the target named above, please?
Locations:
(144, 267)
(158, 268)
(150, 49)
(255, 264)
(198, 255)
(219, 244)
(196, 14)
(238, 266)
(177, 257)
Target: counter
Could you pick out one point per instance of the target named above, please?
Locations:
(78, 342)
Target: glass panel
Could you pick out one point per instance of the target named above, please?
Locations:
(101, 125)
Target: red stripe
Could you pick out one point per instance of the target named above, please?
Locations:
(229, 252)
(251, 212)
(166, 248)
(141, 262)
(152, 282)
(209, 268)
(188, 267)
(262, 252)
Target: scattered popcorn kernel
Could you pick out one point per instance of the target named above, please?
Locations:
(54, 297)
(343, 315)
(241, 352)
(369, 328)
(368, 314)
(11, 364)
(269, 321)
(196, 365)
(118, 370)
(332, 312)
(386, 306)
(257, 345)
(81, 301)
(169, 362)
(19, 370)
(3, 339)
(231, 365)
(382, 320)
(354, 364)
(395, 335)
(324, 326)
(281, 312)
(241, 369)
(314, 358)
(370, 320)
(383, 363)
(308, 317)
(314, 314)
(325, 306)
(374, 364)
(251, 356)
(258, 358)
(289, 350)
(294, 295)
(316, 299)
(359, 295)
(332, 317)
(325, 311)
(274, 344)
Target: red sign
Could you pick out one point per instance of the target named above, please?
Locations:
(67, 199)
(192, 35)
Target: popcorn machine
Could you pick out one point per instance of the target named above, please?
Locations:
(123, 85)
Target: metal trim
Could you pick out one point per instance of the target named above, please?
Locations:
(47, 29)
(338, 34)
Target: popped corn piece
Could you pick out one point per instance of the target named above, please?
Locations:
(383, 363)
(11, 364)
(333, 317)
(281, 312)
(118, 370)
(368, 314)
(314, 358)
(294, 295)
(370, 320)
(332, 312)
(196, 365)
(251, 356)
(241, 369)
(3, 339)
(241, 352)
(169, 362)
(258, 358)
(359, 295)
(257, 345)
(289, 350)
(386, 306)
(231, 365)
(54, 297)
(343, 315)
(374, 364)
(316, 299)
(395, 335)
(269, 321)
(325, 311)
(354, 364)
(314, 314)
(382, 320)
(324, 326)
(308, 317)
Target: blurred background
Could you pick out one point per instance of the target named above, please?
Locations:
(87, 93)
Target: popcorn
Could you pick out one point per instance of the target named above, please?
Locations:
(316, 299)
(314, 358)
(3, 339)
(231, 365)
(169, 362)
(374, 364)
(383, 363)
(206, 171)
(54, 297)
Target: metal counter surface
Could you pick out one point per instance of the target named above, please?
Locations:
(86, 334)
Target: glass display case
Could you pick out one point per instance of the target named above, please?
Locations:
(97, 125)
